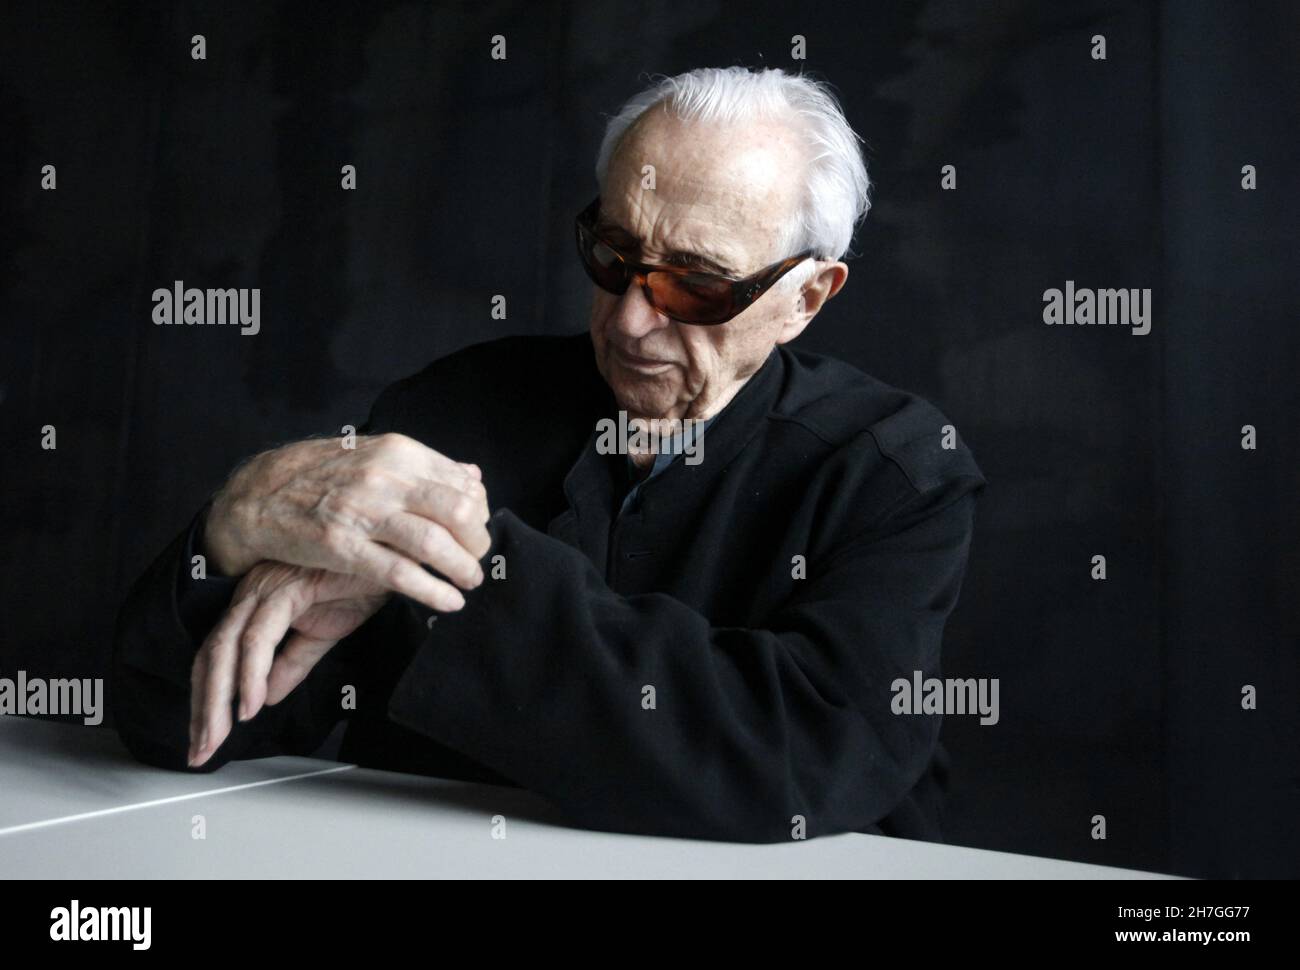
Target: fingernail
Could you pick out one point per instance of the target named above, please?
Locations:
(458, 602)
(478, 575)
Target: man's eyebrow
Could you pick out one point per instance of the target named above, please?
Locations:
(678, 257)
(683, 257)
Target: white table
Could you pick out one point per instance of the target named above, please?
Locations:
(74, 805)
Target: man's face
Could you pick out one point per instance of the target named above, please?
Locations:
(722, 196)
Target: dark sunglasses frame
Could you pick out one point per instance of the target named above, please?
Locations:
(739, 296)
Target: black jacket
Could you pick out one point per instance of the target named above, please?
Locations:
(771, 693)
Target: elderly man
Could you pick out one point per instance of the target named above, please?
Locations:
(698, 648)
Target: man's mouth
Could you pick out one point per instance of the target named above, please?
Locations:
(643, 365)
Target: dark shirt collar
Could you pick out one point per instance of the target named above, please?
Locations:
(593, 490)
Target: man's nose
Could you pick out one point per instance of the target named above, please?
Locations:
(634, 317)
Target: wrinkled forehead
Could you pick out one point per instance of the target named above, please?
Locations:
(727, 189)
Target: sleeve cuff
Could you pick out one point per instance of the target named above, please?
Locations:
(200, 602)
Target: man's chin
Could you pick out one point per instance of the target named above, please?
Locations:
(644, 397)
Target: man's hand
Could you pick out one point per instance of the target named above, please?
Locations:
(376, 511)
(238, 656)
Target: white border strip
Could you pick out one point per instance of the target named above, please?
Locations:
(29, 826)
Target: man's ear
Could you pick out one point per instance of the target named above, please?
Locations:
(827, 280)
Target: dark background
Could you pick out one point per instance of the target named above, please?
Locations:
(1119, 698)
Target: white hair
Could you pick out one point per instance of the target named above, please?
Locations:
(836, 188)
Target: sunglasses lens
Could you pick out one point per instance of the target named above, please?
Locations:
(686, 297)
(691, 298)
(602, 264)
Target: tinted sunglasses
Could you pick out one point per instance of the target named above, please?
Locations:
(686, 295)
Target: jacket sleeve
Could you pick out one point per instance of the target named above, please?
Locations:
(634, 714)
(161, 626)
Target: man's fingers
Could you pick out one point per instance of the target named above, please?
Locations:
(292, 665)
(463, 477)
(428, 542)
(212, 682)
(398, 572)
(435, 465)
(262, 634)
(198, 678)
(464, 518)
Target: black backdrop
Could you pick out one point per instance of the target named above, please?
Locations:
(1119, 698)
